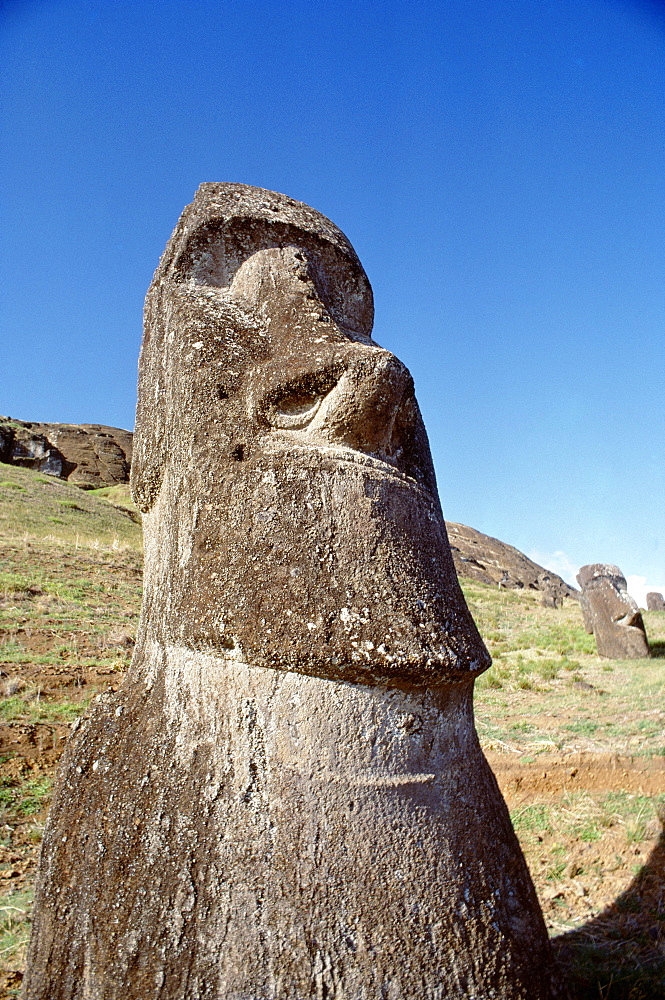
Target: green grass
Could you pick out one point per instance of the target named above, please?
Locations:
(62, 606)
(37, 506)
(515, 671)
(588, 817)
(30, 710)
(514, 620)
(120, 496)
(585, 726)
(547, 689)
(609, 969)
(532, 817)
(14, 925)
(18, 585)
(26, 799)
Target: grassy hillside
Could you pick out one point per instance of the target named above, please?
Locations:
(34, 506)
(576, 742)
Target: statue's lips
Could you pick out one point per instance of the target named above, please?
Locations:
(278, 445)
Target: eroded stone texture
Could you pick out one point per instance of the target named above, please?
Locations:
(655, 601)
(587, 615)
(611, 613)
(287, 798)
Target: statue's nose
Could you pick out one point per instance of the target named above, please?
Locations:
(361, 411)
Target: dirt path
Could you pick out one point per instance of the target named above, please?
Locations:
(553, 774)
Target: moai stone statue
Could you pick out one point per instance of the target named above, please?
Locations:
(655, 601)
(286, 798)
(611, 613)
(587, 614)
(550, 589)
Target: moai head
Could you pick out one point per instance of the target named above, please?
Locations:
(281, 461)
(549, 588)
(611, 613)
(655, 601)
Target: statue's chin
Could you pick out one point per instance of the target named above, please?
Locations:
(382, 667)
(332, 569)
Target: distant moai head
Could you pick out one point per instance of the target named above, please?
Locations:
(281, 461)
(611, 613)
(655, 601)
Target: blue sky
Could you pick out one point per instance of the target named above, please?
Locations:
(498, 165)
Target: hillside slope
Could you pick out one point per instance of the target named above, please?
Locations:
(39, 506)
(487, 560)
(89, 455)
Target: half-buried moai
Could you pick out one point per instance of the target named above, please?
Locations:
(286, 798)
(611, 613)
(655, 601)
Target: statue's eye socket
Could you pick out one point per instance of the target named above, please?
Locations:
(294, 409)
(298, 403)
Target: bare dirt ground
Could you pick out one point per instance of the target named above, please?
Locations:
(591, 827)
(576, 744)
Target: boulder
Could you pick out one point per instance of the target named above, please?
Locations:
(287, 797)
(655, 601)
(611, 613)
(87, 455)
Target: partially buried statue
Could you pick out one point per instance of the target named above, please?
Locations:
(286, 799)
(611, 613)
(655, 601)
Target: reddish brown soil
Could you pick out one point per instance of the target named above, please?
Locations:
(552, 774)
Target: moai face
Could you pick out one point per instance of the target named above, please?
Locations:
(291, 511)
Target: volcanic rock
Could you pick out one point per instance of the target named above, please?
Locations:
(655, 601)
(487, 560)
(286, 799)
(87, 455)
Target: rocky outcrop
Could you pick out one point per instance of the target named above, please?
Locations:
(487, 560)
(87, 455)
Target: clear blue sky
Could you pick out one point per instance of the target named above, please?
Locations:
(499, 166)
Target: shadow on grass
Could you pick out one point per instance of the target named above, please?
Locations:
(620, 954)
(657, 648)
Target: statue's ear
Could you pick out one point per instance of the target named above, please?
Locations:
(149, 451)
(150, 432)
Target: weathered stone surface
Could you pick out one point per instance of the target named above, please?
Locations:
(611, 613)
(286, 798)
(487, 560)
(587, 614)
(655, 601)
(88, 455)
